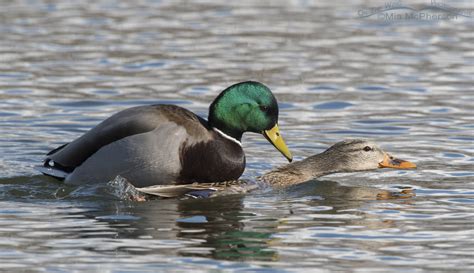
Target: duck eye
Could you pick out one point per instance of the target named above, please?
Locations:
(367, 148)
(264, 108)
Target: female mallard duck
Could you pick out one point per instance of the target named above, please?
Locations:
(169, 145)
(345, 156)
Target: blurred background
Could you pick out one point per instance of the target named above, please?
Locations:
(359, 69)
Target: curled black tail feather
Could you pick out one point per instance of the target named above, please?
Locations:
(54, 169)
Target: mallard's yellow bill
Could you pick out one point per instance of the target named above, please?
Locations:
(391, 162)
(273, 135)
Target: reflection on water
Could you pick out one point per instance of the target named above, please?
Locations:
(406, 85)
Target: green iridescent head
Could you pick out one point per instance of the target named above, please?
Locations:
(248, 107)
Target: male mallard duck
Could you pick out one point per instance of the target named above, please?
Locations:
(345, 156)
(169, 145)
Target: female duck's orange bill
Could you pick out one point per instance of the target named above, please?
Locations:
(391, 162)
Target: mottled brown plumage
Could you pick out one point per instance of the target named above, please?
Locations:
(344, 156)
